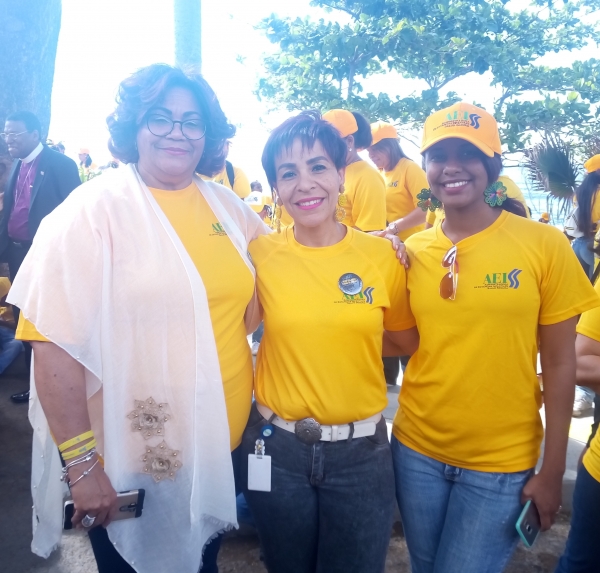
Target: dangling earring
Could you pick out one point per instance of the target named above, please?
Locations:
(277, 214)
(495, 194)
(428, 201)
(340, 212)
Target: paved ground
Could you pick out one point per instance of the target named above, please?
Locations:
(240, 553)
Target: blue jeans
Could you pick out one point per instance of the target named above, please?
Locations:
(258, 333)
(582, 554)
(456, 520)
(9, 348)
(330, 507)
(582, 248)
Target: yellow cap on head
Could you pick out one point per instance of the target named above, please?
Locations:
(382, 130)
(463, 121)
(545, 216)
(342, 120)
(592, 164)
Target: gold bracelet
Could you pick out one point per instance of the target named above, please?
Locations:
(82, 450)
(66, 445)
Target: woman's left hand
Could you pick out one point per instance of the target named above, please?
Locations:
(397, 245)
(546, 492)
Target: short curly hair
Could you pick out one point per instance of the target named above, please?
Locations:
(143, 90)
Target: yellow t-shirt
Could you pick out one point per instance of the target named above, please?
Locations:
(229, 288)
(589, 325)
(596, 208)
(6, 312)
(470, 395)
(403, 184)
(320, 355)
(241, 185)
(512, 191)
(365, 193)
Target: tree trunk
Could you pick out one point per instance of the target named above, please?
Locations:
(188, 34)
(28, 41)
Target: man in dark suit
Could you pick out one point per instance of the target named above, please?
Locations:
(41, 179)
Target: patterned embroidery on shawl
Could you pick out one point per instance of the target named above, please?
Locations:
(149, 418)
(161, 462)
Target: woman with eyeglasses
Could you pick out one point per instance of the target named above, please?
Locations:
(485, 285)
(138, 294)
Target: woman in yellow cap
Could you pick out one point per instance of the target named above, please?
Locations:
(365, 190)
(316, 449)
(582, 553)
(484, 285)
(404, 180)
(588, 215)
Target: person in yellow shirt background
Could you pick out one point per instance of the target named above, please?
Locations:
(404, 180)
(512, 192)
(232, 177)
(485, 284)
(586, 215)
(582, 552)
(365, 190)
(328, 292)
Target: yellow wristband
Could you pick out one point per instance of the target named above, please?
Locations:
(79, 451)
(66, 445)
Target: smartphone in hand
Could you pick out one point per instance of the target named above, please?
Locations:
(130, 503)
(529, 524)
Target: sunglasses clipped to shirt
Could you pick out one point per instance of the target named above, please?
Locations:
(449, 282)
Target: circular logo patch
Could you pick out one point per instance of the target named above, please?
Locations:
(350, 284)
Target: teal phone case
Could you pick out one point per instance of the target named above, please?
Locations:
(521, 527)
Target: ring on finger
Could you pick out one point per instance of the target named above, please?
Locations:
(88, 521)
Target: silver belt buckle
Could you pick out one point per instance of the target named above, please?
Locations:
(308, 431)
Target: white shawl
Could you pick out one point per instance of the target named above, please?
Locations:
(108, 280)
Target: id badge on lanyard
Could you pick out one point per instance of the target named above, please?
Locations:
(259, 468)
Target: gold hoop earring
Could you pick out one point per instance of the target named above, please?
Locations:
(340, 212)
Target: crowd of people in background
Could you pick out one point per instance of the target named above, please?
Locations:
(137, 283)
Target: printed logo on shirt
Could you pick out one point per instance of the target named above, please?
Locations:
(502, 280)
(364, 297)
(218, 231)
(393, 184)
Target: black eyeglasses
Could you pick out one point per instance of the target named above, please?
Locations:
(161, 126)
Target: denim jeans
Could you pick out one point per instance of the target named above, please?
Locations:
(456, 520)
(258, 333)
(582, 248)
(582, 554)
(9, 348)
(330, 507)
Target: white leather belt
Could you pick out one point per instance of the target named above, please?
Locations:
(307, 430)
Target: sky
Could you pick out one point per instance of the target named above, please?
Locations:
(103, 41)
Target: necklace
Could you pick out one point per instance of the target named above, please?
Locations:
(18, 195)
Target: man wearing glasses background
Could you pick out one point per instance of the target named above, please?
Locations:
(40, 180)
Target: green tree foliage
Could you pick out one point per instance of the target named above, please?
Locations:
(323, 64)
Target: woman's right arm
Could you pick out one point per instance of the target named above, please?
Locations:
(61, 388)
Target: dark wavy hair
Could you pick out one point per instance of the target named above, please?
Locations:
(145, 89)
(585, 193)
(363, 137)
(493, 167)
(308, 127)
(391, 147)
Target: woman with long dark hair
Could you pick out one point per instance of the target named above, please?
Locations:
(485, 285)
(588, 214)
